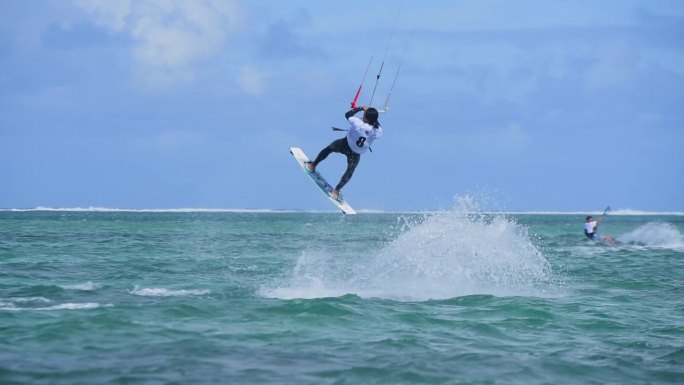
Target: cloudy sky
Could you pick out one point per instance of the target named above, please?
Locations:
(529, 105)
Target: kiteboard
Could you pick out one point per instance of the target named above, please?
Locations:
(318, 179)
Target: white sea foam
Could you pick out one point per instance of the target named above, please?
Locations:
(444, 255)
(621, 212)
(26, 299)
(162, 292)
(63, 306)
(87, 286)
(655, 234)
(73, 306)
(11, 303)
(174, 210)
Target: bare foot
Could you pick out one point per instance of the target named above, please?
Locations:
(334, 194)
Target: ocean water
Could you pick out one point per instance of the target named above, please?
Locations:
(449, 297)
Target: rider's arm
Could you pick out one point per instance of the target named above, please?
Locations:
(353, 112)
(600, 218)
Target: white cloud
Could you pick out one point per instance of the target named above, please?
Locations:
(107, 13)
(317, 81)
(170, 36)
(615, 67)
(252, 81)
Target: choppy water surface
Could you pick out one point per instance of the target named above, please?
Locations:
(318, 298)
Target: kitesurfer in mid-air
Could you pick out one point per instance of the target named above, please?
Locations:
(360, 137)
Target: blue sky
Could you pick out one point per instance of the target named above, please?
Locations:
(527, 105)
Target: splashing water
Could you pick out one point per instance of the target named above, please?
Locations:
(162, 292)
(439, 256)
(655, 234)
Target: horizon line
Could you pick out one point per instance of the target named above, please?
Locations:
(623, 212)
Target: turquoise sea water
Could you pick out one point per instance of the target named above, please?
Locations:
(452, 297)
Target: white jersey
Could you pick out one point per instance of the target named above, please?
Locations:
(589, 227)
(361, 135)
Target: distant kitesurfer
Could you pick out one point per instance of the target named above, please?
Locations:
(360, 136)
(591, 231)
